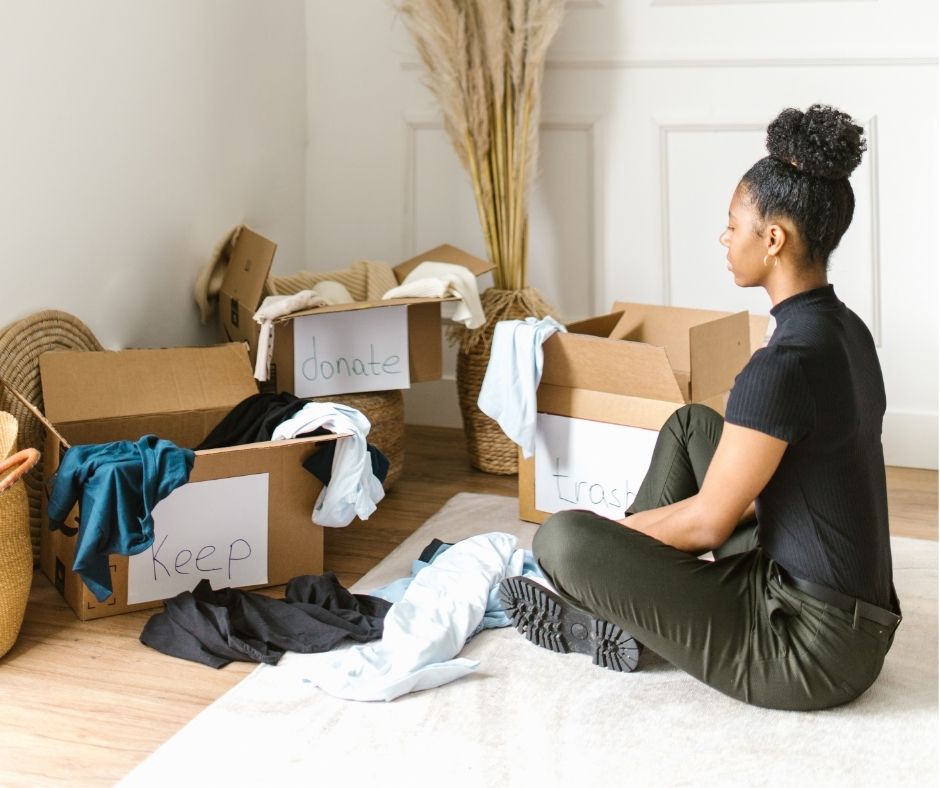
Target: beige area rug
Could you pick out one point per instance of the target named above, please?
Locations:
(530, 717)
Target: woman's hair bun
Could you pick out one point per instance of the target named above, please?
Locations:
(822, 141)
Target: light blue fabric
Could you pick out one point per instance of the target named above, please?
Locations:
(512, 377)
(425, 630)
(522, 562)
(353, 490)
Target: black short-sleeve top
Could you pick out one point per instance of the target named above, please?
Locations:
(817, 385)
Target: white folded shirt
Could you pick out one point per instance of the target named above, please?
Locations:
(437, 280)
(324, 294)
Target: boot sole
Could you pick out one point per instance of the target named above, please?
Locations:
(547, 620)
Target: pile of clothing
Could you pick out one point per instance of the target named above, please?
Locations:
(351, 470)
(406, 635)
(217, 627)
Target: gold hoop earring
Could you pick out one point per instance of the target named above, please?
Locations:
(776, 260)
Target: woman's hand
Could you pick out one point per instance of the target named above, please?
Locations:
(743, 463)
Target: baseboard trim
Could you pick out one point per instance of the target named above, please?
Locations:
(910, 439)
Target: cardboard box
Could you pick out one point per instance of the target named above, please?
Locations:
(607, 387)
(341, 349)
(244, 516)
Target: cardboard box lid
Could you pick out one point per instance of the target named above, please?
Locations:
(599, 326)
(445, 253)
(593, 363)
(672, 328)
(85, 385)
(665, 326)
(718, 351)
(248, 268)
(357, 305)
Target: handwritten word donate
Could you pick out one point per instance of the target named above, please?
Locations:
(315, 367)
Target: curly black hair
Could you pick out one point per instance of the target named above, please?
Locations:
(806, 176)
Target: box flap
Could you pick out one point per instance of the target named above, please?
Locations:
(597, 364)
(248, 268)
(86, 385)
(605, 407)
(358, 305)
(664, 326)
(719, 349)
(444, 254)
(600, 326)
(242, 288)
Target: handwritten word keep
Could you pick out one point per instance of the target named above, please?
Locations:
(185, 562)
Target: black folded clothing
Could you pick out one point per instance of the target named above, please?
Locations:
(253, 420)
(218, 627)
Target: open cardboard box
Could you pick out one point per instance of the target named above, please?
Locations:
(248, 525)
(607, 387)
(345, 348)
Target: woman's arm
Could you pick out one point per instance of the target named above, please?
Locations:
(743, 464)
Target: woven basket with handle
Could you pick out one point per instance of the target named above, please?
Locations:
(16, 552)
(21, 344)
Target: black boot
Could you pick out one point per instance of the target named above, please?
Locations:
(549, 621)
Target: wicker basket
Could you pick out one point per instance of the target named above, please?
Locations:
(385, 410)
(488, 447)
(21, 344)
(16, 553)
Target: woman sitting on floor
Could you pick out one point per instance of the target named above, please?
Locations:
(798, 609)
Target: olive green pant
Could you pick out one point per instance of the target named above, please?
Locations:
(729, 622)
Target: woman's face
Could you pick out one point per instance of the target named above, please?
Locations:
(746, 247)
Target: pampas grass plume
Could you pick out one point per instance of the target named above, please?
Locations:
(484, 61)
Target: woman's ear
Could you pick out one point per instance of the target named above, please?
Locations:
(776, 239)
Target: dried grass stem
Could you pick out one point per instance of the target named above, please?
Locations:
(484, 61)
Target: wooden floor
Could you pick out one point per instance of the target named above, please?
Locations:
(83, 703)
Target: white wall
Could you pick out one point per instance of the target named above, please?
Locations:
(651, 112)
(134, 136)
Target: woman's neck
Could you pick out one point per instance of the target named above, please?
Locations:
(788, 283)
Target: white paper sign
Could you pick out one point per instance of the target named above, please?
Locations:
(581, 464)
(216, 529)
(347, 352)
